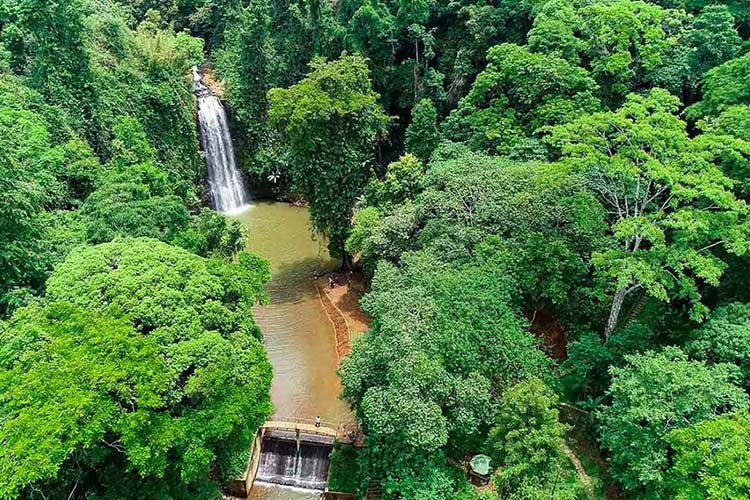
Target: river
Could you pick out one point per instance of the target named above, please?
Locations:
(298, 336)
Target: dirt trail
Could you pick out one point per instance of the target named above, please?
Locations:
(585, 479)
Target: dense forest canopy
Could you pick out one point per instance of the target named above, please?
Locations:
(498, 169)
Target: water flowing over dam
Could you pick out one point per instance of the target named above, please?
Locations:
(224, 181)
(286, 462)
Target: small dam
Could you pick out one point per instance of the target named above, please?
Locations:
(288, 461)
(293, 454)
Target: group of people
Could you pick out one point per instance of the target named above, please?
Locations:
(334, 279)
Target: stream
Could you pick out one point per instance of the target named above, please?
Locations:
(298, 336)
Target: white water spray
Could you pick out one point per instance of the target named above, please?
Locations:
(225, 184)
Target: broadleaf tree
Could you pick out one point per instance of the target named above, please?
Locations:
(330, 121)
(668, 204)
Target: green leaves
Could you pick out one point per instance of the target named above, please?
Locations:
(668, 203)
(199, 314)
(330, 121)
(655, 394)
(94, 381)
(711, 459)
(518, 94)
(422, 136)
(526, 437)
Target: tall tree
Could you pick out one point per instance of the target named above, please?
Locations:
(53, 55)
(422, 136)
(330, 121)
(99, 394)
(632, 45)
(526, 437)
(669, 206)
(724, 338)
(199, 313)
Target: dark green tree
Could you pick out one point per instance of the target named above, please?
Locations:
(651, 396)
(714, 39)
(52, 53)
(517, 95)
(246, 66)
(725, 338)
(330, 122)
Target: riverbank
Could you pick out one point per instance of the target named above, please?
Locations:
(341, 304)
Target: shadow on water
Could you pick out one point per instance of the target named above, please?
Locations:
(293, 282)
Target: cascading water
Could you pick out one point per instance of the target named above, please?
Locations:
(285, 463)
(225, 184)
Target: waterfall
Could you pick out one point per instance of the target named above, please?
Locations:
(225, 184)
(283, 462)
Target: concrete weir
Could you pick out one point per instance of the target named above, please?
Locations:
(288, 453)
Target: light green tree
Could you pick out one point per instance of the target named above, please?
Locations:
(199, 314)
(669, 206)
(526, 437)
(99, 393)
(245, 64)
(711, 459)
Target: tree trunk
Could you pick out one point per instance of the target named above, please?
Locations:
(347, 262)
(614, 312)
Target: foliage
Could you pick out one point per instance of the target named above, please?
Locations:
(600, 199)
(199, 314)
(654, 394)
(99, 390)
(668, 203)
(46, 42)
(714, 38)
(248, 50)
(36, 176)
(526, 436)
(723, 86)
(711, 459)
(444, 343)
(210, 234)
(422, 135)
(517, 95)
(537, 221)
(724, 338)
(343, 473)
(330, 121)
(402, 182)
(634, 44)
